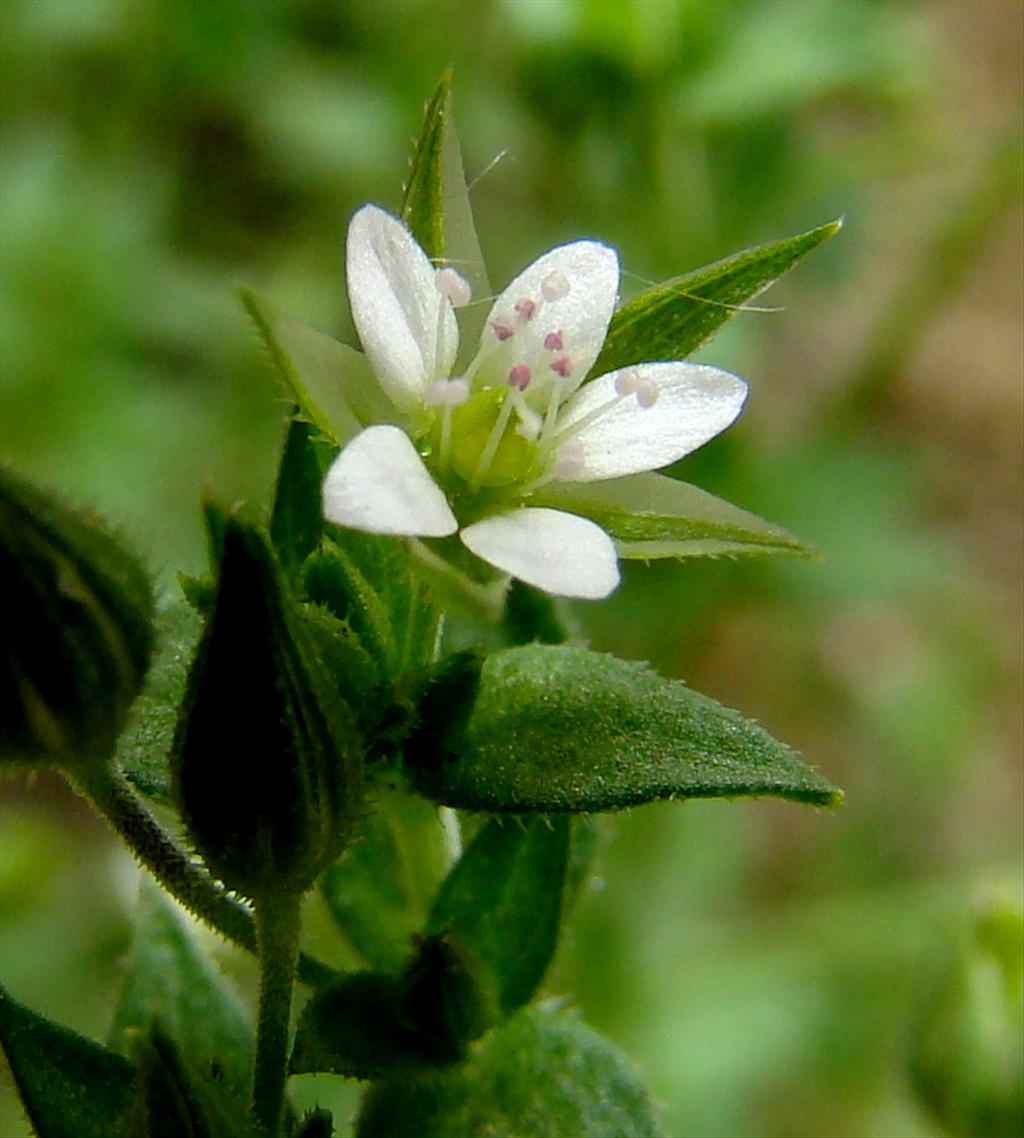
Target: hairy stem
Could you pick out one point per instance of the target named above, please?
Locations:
(109, 792)
(277, 932)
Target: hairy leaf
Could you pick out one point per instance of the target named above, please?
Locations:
(671, 320)
(555, 728)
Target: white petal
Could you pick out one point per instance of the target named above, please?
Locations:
(395, 305)
(379, 483)
(694, 403)
(554, 551)
(591, 271)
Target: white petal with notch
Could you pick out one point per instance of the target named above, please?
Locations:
(560, 553)
(693, 404)
(379, 484)
(395, 306)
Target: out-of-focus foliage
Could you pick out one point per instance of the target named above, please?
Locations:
(762, 965)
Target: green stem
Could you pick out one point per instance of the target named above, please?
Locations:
(277, 932)
(106, 788)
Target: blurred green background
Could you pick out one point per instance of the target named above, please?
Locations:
(761, 962)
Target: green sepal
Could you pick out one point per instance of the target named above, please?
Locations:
(371, 1023)
(380, 889)
(446, 998)
(353, 1028)
(78, 630)
(531, 614)
(370, 582)
(437, 209)
(70, 1086)
(169, 979)
(550, 728)
(652, 516)
(296, 518)
(541, 1073)
(671, 320)
(503, 901)
(266, 762)
(333, 579)
(145, 745)
(353, 670)
(332, 383)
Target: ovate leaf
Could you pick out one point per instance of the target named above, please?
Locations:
(503, 901)
(170, 979)
(652, 515)
(671, 320)
(555, 728)
(70, 1086)
(145, 745)
(331, 382)
(541, 1074)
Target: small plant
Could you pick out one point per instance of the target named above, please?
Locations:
(305, 719)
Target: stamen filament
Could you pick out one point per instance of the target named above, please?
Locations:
(578, 425)
(491, 447)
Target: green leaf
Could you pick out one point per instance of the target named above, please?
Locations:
(169, 979)
(652, 516)
(556, 728)
(540, 1075)
(145, 745)
(503, 900)
(332, 383)
(671, 320)
(296, 520)
(70, 1086)
(379, 891)
(437, 209)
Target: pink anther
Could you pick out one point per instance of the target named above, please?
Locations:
(562, 366)
(553, 341)
(502, 331)
(526, 308)
(519, 377)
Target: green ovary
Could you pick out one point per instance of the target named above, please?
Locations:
(472, 423)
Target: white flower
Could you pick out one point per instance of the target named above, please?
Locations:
(464, 452)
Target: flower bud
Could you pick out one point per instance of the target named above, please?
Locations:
(266, 760)
(77, 631)
(967, 1063)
